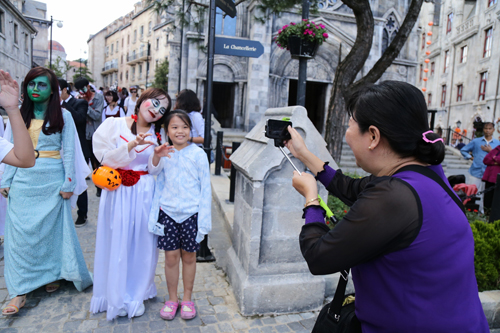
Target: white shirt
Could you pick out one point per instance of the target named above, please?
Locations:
(109, 112)
(130, 105)
(183, 188)
(66, 100)
(5, 147)
(198, 125)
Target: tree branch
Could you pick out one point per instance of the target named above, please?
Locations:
(355, 60)
(394, 48)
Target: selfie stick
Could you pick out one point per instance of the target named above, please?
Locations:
(289, 160)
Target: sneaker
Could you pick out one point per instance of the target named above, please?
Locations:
(80, 221)
(122, 313)
(140, 310)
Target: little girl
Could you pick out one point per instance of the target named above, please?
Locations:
(126, 254)
(181, 209)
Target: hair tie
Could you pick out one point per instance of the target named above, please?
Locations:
(134, 116)
(158, 135)
(430, 141)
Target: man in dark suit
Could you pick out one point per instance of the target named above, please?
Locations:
(78, 109)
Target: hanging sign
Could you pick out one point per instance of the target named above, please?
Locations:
(238, 47)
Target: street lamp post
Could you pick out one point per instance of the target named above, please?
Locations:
(60, 25)
(147, 63)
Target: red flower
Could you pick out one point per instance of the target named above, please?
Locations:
(134, 116)
(129, 177)
(345, 211)
(475, 210)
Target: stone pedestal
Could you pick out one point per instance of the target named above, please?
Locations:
(266, 267)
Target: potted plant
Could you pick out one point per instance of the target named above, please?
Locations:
(301, 39)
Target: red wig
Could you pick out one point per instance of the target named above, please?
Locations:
(53, 114)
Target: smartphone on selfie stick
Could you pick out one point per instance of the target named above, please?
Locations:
(278, 130)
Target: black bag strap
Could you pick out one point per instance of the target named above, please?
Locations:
(434, 176)
(338, 299)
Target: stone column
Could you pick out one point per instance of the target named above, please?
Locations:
(258, 70)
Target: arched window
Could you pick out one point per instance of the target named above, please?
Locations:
(390, 31)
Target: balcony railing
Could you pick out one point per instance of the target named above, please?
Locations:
(466, 26)
(110, 66)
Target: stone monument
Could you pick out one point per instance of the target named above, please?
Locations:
(265, 265)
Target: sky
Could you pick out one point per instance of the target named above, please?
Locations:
(82, 19)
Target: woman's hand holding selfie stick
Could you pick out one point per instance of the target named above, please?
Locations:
(305, 183)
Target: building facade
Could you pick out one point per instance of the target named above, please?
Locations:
(36, 13)
(245, 87)
(118, 54)
(16, 36)
(463, 68)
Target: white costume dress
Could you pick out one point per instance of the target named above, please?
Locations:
(126, 253)
(5, 148)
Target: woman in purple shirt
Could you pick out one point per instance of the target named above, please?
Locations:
(408, 243)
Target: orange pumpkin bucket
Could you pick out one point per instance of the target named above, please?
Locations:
(106, 178)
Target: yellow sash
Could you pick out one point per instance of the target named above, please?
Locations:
(34, 130)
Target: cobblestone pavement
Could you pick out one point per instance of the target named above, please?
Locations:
(67, 310)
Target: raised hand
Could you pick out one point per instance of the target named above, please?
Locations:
(140, 139)
(164, 150)
(9, 92)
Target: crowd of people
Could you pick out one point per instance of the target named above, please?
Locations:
(406, 238)
(163, 203)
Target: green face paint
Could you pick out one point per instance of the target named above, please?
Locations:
(39, 89)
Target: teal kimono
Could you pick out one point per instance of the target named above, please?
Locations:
(41, 245)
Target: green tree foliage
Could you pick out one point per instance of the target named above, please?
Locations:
(60, 67)
(83, 72)
(487, 254)
(189, 11)
(161, 75)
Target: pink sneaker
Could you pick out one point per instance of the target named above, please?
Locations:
(188, 310)
(169, 310)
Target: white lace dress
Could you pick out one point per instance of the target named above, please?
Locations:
(126, 253)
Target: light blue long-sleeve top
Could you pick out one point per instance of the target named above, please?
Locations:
(478, 167)
(182, 189)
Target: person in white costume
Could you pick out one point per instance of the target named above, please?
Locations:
(126, 254)
(131, 101)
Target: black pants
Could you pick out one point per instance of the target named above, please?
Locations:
(93, 159)
(488, 196)
(83, 204)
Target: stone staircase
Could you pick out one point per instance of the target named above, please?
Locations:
(453, 164)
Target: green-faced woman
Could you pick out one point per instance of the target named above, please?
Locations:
(41, 245)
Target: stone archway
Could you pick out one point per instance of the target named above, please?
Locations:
(230, 78)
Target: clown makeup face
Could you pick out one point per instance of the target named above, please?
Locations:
(153, 109)
(39, 89)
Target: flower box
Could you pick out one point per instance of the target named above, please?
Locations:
(302, 48)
